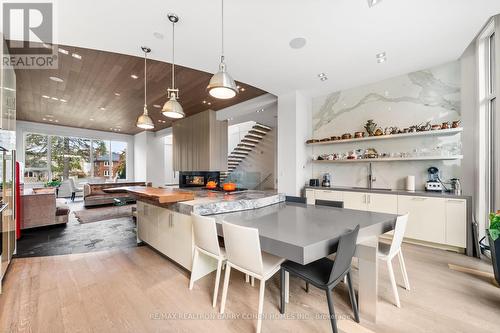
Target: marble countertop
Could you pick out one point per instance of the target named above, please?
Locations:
(391, 191)
(212, 202)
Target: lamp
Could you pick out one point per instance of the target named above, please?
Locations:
(172, 108)
(222, 85)
(144, 121)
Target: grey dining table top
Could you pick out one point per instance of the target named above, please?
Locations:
(305, 233)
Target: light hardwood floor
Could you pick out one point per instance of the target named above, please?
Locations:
(137, 290)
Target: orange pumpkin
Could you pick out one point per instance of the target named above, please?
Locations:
(229, 187)
(211, 184)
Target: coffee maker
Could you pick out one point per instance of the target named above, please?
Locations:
(433, 183)
(326, 180)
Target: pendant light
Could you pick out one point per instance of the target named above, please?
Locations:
(172, 108)
(221, 84)
(144, 121)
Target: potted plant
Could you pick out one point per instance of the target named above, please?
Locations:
(494, 241)
(53, 183)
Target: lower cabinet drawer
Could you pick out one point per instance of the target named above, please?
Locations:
(328, 195)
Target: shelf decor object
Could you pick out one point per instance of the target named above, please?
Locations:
(393, 159)
(443, 132)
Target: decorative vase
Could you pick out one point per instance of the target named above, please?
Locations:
(370, 127)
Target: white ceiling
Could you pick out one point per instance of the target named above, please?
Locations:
(343, 36)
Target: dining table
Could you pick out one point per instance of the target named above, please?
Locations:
(305, 233)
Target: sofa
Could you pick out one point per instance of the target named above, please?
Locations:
(94, 194)
(41, 208)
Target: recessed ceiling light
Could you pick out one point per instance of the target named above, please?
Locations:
(324, 78)
(50, 120)
(321, 75)
(102, 108)
(63, 100)
(54, 98)
(381, 55)
(242, 89)
(56, 121)
(45, 96)
(63, 51)
(135, 77)
(44, 118)
(56, 79)
(117, 94)
(238, 87)
(297, 43)
(381, 60)
(91, 119)
(157, 106)
(372, 3)
(49, 116)
(204, 102)
(209, 103)
(158, 35)
(76, 56)
(259, 111)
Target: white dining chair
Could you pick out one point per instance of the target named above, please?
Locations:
(387, 252)
(206, 242)
(244, 254)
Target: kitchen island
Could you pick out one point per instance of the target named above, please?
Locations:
(166, 226)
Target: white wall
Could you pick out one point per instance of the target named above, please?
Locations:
(151, 161)
(294, 127)
(23, 127)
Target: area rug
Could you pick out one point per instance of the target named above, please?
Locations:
(103, 213)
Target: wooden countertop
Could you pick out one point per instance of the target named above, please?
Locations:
(162, 195)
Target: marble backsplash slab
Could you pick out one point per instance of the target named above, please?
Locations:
(429, 95)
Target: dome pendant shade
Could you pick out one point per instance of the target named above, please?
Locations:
(222, 85)
(144, 121)
(172, 108)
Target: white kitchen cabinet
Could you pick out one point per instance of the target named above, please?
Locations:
(382, 203)
(456, 222)
(355, 200)
(182, 240)
(167, 231)
(427, 219)
(310, 196)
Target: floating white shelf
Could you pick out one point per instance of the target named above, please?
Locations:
(394, 159)
(444, 132)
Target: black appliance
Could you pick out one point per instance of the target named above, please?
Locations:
(314, 182)
(198, 178)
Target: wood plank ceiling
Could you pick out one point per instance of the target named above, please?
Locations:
(99, 93)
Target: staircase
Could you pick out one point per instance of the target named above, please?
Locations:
(245, 147)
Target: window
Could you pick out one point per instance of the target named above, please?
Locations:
(60, 157)
(489, 122)
(36, 158)
(70, 157)
(119, 159)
